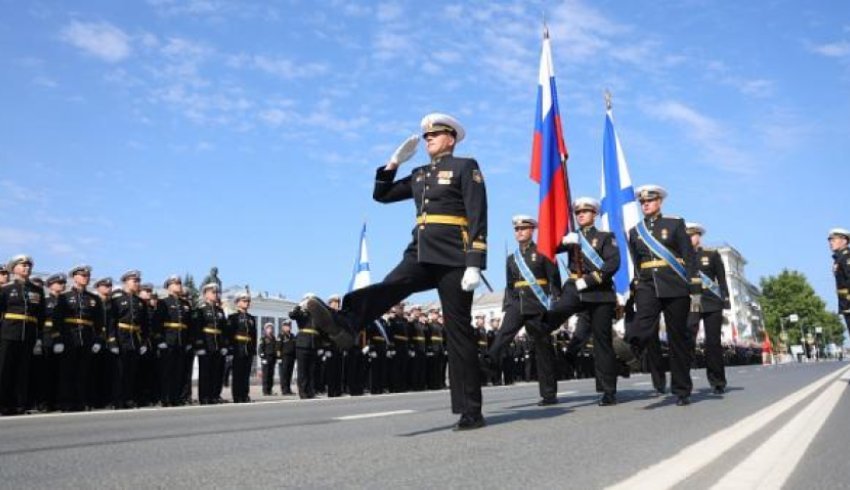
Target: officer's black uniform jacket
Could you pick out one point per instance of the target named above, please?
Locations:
(663, 280)
(448, 187)
(418, 337)
(129, 327)
(174, 321)
(80, 316)
(436, 339)
(51, 329)
(209, 326)
(397, 332)
(268, 347)
(600, 282)
(285, 344)
(242, 334)
(377, 342)
(518, 294)
(22, 307)
(307, 340)
(711, 265)
(841, 269)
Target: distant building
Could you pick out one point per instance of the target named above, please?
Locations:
(488, 304)
(744, 322)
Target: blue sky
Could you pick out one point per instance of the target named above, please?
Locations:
(172, 135)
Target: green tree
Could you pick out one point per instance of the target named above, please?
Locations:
(191, 290)
(790, 293)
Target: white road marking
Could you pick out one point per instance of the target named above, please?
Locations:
(374, 415)
(845, 376)
(675, 469)
(565, 393)
(642, 383)
(772, 463)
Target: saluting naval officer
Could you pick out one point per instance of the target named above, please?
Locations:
(533, 280)
(667, 280)
(447, 252)
(715, 299)
(838, 243)
(594, 258)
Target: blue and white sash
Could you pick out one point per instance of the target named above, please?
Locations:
(531, 280)
(590, 252)
(708, 283)
(660, 251)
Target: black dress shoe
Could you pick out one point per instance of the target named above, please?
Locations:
(607, 400)
(545, 402)
(469, 422)
(683, 401)
(718, 390)
(331, 323)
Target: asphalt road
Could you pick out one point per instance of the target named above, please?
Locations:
(777, 426)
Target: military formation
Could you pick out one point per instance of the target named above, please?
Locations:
(74, 349)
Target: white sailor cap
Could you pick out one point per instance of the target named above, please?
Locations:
(209, 285)
(103, 281)
(309, 295)
(437, 122)
(56, 278)
(334, 297)
(692, 228)
(172, 279)
(650, 191)
(583, 203)
(131, 274)
(523, 219)
(18, 259)
(244, 295)
(80, 269)
(842, 232)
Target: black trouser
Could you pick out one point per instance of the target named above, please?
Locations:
(644, 335)
(15, 358)
(103, 372)
(210, 376)
(124, 380)
(354, 371)
(398, 370)
(268, 374)
(512, 321)
(241, 377)
(307, 360)
(436, 375)
(333, 372)
(75, 368)
(287, 364)
(712, 322)
(601, 316)
(409, 277)
(418, 377)
(172, 374)
(377, 371)
(188, 372)
(147, 381)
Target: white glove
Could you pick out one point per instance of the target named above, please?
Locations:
(264, 362)
(201, 352)
(188, 348)
(373, 355)
(405, 151)
(114, 350)
(471, 279)
(162, 346)
(95, 348)
(142, 350)
(365, 350)
(36, 349)
(390, 354)
(320, 352)
(696, 303)
(328, 354)
(58, 348)
(570, 238)
(412, 353)
(223, 351)
(229, 358)
(581, 284)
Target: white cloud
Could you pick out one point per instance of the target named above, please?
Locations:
(286, 68)
(17, 237)
(389, 11)
(839, 49)
(46, 82)
(99, 39)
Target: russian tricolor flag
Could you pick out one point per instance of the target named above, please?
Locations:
(548, 160)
